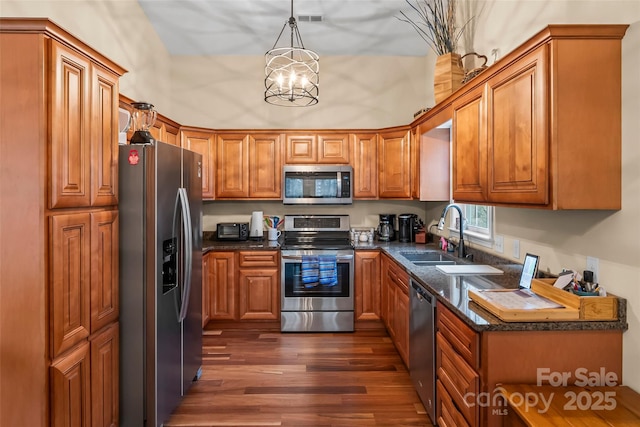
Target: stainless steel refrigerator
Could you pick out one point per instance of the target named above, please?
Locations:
(160, 194)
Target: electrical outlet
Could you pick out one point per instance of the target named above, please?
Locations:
(592, 265)
(498, 244)
(516, 249)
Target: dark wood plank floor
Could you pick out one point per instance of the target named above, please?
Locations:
(253, 378)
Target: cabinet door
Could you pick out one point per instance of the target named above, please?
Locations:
(367, 285)
(333, 148)
(458, 378)
(394, 165)
(469, 147)
(232, 173)
(517, 114)
(401, 324)
(265, 166)
(203, 143)
(157, 131)
(259, 294)
(104, 138)
(70, 281)
(207, 279)
(105, 394)
(414, 156)
(222, 286)
(71, 388)
(364, 160)
(70, 128)
(301, 149)
(104, 269)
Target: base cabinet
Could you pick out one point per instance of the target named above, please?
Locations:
(395, 302)
(470, 365)
(242, 285)
(367, 285)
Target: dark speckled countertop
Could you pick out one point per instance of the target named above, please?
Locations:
(452, 290)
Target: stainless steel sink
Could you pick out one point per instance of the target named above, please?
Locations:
(429, 258)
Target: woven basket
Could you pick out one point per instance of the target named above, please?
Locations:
(471, 73)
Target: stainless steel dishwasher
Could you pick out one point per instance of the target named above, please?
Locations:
(422, 349)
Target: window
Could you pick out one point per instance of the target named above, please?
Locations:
(478, 223)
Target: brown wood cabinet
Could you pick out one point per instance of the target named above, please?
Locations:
(394, 165)
(364, 160)
(105, 382)
(207, 278)
(259, 285)
(222, 285)
(59, 173)
(204, 142)
(395, 300)
(524, 129)
(261, 152)
(243, 285)
(469, 148)
(471, 365)
(367, 285)
(313, 148)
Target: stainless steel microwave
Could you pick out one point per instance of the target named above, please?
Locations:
(317, 184)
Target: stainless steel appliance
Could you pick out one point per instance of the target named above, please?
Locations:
(422, 346)
(317, 184)
(160, 206)
(387, 228)
(317, 274)
(232, 231)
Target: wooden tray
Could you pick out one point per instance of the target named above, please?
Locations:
(576, 308)
(482, 298)
(590, 308)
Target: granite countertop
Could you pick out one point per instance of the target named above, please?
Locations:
(451, 290)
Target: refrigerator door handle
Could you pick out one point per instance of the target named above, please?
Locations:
(187, 230)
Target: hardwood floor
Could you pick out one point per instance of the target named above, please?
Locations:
(253, 378)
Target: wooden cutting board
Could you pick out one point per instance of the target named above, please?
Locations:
(462, 270)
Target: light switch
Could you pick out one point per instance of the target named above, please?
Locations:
(498, 244)
(516, 249)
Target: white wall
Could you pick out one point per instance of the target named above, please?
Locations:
(378, 92)
(120, 30)
(355, 92)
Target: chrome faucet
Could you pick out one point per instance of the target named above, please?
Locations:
(461, 250)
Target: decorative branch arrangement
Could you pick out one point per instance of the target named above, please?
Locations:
(436, 24)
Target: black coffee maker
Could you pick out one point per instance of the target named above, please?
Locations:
(387, 228)
(406, 227)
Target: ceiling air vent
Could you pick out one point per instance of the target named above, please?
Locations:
(310, 18)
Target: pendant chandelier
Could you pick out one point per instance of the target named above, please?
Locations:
(291, 71)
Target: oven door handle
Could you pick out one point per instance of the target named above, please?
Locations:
(299, 257)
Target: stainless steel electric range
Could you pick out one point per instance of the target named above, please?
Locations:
(317, 265)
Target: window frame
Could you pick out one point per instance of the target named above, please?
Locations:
(474, 234)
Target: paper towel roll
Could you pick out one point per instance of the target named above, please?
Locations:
(257, 228)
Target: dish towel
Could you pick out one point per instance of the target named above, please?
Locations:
(309, 271)
(328, 270)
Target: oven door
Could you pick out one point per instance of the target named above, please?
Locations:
(301, 294)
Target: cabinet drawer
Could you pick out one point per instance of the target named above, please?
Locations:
(399, 277)
(259, 259)
(462, 338)
(447, 413)
(460, 380)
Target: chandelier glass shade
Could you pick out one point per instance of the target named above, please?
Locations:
(292, 72)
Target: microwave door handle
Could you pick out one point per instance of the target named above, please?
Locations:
(339, 186)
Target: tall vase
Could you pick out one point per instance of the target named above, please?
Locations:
(448, 75)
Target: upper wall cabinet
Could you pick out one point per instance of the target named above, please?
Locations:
(204, 142)
(364, 159)
(311, 148)
(394, 165)
(542, 127)
(248, 166)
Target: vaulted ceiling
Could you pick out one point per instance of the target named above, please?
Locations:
(251, 27)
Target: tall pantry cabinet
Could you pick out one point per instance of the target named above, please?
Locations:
(58, 229)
